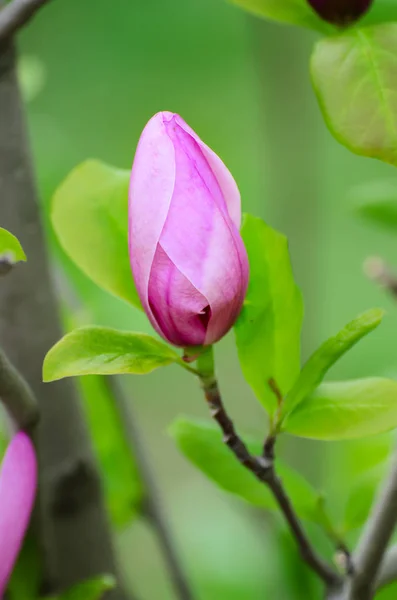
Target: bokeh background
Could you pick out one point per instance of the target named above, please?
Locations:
(93, 73)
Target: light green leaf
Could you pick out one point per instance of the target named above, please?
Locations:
(355, 78)
(122, 483)
(294, 12)
(11, 250)
(376, 201)
(90, 218)
(346, 410)
(332, 350)
(104, 351)
(201, 443)
(268, 328)
(94, 589)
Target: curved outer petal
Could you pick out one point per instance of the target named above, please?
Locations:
(193, 270)
(150, 193)
(18, 481)
(177, 305)
(225, 179)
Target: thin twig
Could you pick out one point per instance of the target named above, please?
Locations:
(16, 14)
(373, 543)
(16, 395)
(151, 504)
(263, 469)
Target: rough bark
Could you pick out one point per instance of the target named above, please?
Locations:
(74, 529)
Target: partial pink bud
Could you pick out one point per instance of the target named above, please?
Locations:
(188, 259)
(18, 481)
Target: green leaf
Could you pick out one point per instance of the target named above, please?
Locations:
(90, 218)
(355, 78)
(201, 443)
(122, 484)
(376, 201)
(268, 328)
(11, 250)
(104, 351)
(293, 12)
(346, 410)
(94, 589)
(332, 350)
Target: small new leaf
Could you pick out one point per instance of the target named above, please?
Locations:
(11, 251)
(90, 218)
(332, 350)
(201, 443)
(355, 78)
(104, 351)
(269, 326)
(346, 410)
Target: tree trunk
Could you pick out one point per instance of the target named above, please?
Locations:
(74, 530)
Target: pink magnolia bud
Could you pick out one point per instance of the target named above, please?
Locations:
(18, 480)
(187, 256)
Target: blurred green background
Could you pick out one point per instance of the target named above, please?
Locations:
(93, 73)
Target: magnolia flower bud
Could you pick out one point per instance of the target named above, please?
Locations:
(340, 12)
(18, 480)
(188, 259)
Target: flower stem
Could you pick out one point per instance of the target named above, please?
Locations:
(261, 467)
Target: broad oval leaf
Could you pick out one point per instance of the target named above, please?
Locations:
(90, 218)
(93, 589)
(269, 326)
(346, 410)
(293, 12)
(201, 443)
(355, 78)
(332, 350)
(376, 201)
(11, 250)
(104, 351)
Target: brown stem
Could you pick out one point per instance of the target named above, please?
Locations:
(72, 521)
(17, 396)
(263, 469)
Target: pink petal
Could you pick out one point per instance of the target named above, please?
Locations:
(188, 260)
(151, 186)
(225, 179)
(18, 481)
(178, 308)
(200, 238)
